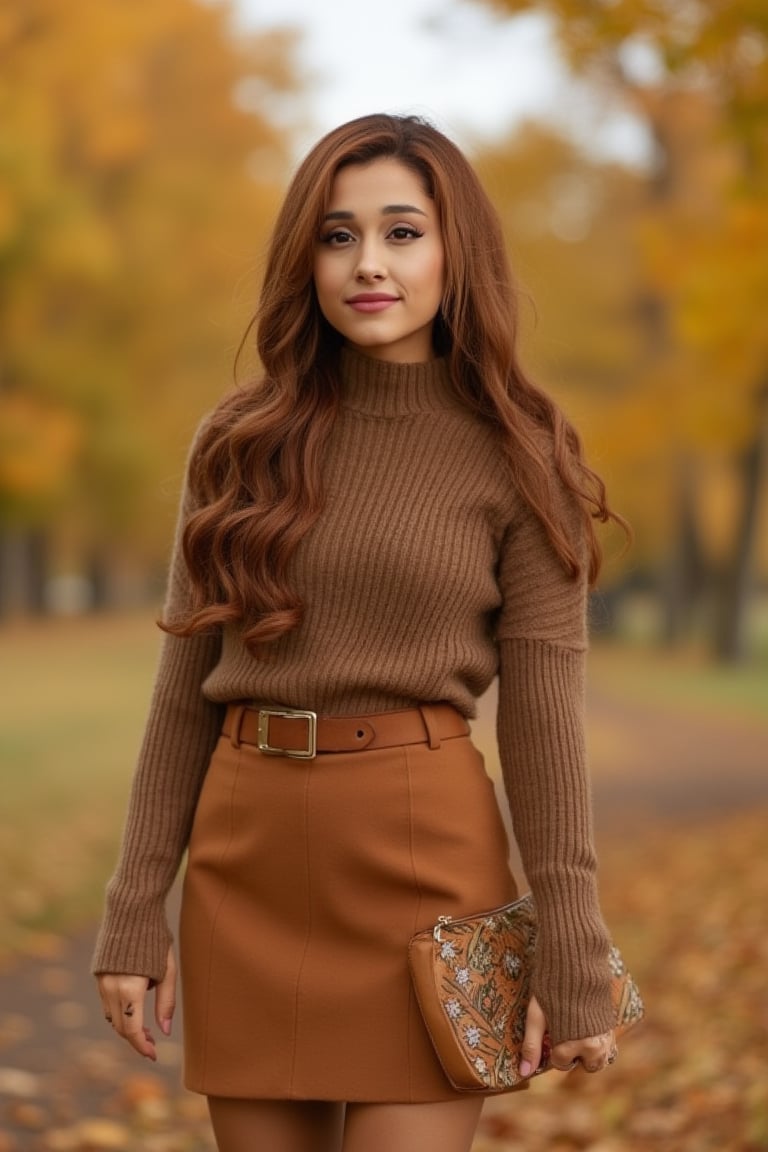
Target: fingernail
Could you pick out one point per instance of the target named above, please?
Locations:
(165, 1027)
(525, 1068)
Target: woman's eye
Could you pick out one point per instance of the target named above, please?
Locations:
(405, 232)
(337, 238)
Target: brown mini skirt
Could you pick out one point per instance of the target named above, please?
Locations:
(305, 881)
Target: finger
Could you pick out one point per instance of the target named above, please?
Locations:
(562, 1059)
(602, 1047)
(123, 1000)
(592, 1053)
(607, 1055)
(565, 1056)
(133, 1029)
(109, 997)
(533, 1040)
(105, 1007)
(104, 998)
(597, 1066)
(559, 1067)
(165, 996)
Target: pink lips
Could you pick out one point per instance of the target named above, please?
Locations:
(371, 301)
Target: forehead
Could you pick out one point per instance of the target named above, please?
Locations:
(380, 182)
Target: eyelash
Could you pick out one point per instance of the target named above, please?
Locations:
(341, 234)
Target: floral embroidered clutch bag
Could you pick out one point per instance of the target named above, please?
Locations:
(472, 980)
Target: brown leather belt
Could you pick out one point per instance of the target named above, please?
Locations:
(302, 734)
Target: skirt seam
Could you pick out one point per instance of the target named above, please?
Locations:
(416, 917)
(307, 934)
(215, 917)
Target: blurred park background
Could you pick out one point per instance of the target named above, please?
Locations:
(144, 148)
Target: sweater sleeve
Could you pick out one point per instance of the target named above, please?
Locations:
(180, 735)
(542, 645)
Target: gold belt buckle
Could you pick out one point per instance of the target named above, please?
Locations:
(264, 745)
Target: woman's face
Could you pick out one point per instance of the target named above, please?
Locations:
(379, 261)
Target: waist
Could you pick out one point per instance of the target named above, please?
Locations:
(302, 734)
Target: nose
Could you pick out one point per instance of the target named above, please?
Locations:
(370, 262)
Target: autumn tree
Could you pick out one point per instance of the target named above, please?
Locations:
(702, 92)
(568, 218)
(140, 165)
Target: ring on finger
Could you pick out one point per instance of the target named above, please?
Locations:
(611, 1059)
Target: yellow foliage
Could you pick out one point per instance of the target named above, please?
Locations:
(726, 325)
(8, 215)
(130, 210)
(690, 385)
(37, 446)
(718, 504)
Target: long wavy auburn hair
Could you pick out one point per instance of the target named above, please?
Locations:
(255, 473)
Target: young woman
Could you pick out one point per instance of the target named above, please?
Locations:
(390, 517)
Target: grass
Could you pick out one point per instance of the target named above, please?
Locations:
(71, 712)
(75, 693)
(681, 680)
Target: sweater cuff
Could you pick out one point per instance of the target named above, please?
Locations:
(572, 977)
(135, 940)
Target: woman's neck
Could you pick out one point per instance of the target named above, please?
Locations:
(383, 388)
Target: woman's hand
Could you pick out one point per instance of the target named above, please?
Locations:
(594, 1052)
(123, 1000)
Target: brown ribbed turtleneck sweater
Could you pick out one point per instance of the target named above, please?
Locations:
(425, 576)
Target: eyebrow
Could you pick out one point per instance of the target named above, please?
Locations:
(387, 210)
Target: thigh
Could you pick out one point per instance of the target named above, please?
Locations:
(276, 1125)
(441, 1127)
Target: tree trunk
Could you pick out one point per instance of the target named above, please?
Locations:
(99, 581)
(24, 563)
(730, 640)
(684, 575)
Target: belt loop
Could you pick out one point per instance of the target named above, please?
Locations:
(431, 725)
(238, 711)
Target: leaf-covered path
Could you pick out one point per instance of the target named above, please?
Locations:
(682, 814)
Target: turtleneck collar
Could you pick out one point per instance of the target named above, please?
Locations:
(381, 388)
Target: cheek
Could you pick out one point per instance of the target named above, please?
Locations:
(434, 276)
